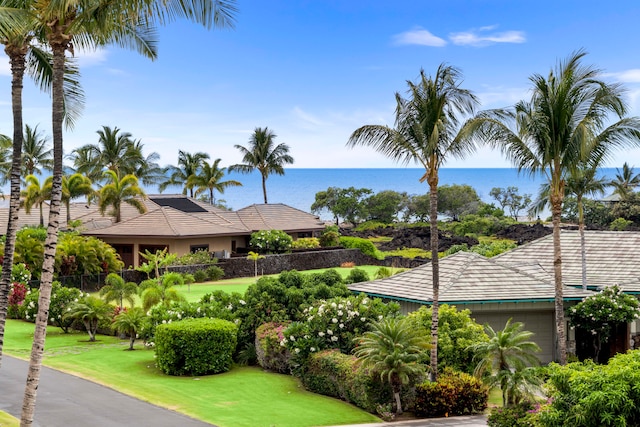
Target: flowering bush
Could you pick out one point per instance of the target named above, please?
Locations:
(271, 355)
(271, 242)
(598, 313)
(333, 323)
(20, 273)
(306, 243)
(61, 300)
(17, 293)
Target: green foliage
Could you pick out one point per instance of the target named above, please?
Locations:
(357, 275)
(306, 243)
(271, 242)
(348, 203)
(457, 332)
(29, 248)
(478, 225)
(115, 289)
(195, 346)
(199, 257)
(61, 300)
(590, 395)
(371, 225)
(329, 238)
(456, 200)
(454, 393)
(620, 224)
(385, 206)
(493, 248)
(383, 273)
(76, 254)
(90, 311)
(130, 321)
(200, 276)
(161, 290)
(409, 253)
(334, 323)
(365, 246)
(510, 200)
(271, 355)
(20, 273)
(214, 272)
(520, 415)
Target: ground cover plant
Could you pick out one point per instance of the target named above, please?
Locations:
(242, 397)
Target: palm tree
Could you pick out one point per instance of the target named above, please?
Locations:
(148, 171)
(130, 322)
(562, 125)
(6, 150)
(74, 186)
(35, 195)
(255, 256)
(118, 191)
(161, 290)
(35, 154)
(394, 348)
(625, 181)
(507, 352)
(263, 156)
(188, 166)
(209, 178)
(427, 132)
(90, 311)
(116, 289)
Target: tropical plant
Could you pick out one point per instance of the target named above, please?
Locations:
(74, 186)
(160, 291)
(271, 241)
(130, 322)
(426, 131)
(116, 289)
(35, 195)
(209, 178)
(264, 156)
(118, 191)
(506, 358)
(90, 311)
(563, 124)
(393, 348)
(255, 256)
(625, 181)
(188, 166)
(35, 154)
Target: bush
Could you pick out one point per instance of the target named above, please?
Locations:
(520, 415)
(306, 243)
(271, 242)
(200, 276)
(270, 354)
(198, 257)
(357, 275)
(329, 238)
(366, 246)
(17, 294)
(76, 255)
(454, 393)
(215, 273)
(195, 346)
(383, 273)
(620, 224)
(61, 299)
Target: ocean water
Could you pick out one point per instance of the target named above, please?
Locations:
(298, 187)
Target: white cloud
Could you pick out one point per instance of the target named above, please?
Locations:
(481, 37)
(420, 37)
(627, 76)
(307, 119)
(90, 58)
(499, 97)
(5, 68)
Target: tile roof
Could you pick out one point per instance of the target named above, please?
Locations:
(278, 216)
(466, 278)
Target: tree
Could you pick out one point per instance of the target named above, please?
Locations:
(348, 203)
(188, 166)
(511, 199)
(115, 289)
(35, 154)
(385, 206)
(418, 207)
(456, 200)
(327, 200)
(130, 322)
(255, 256)
(90, 311)
(161, 290)
(209, 178)
(35, 194)
(148, 171)
(505, 356)
(263, 156)
(75, 186)
(118, 191)
(625, 181)
(393, 348)
(561, 125)
(426, 131)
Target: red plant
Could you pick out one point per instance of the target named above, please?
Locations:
(17, 294)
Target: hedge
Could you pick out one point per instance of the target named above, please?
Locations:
(454, 393)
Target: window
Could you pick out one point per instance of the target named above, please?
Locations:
(196, 248)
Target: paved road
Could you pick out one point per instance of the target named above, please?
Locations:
(65, 401)
(466, 421)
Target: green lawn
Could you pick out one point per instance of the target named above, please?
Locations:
(245, 396)
(7, 420)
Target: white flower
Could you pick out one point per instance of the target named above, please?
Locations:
(380, 317)
(230, 307)
(334, 320)
(341, 325)
(340, 313)
(334, 305)
(283, 342)
(297, 350)
(242, 302)
(292, 338)
(198, 310)
(164, 321)
(329, 331)
(321, 333)
(340, 306)
(306, 337)
(364, 319)
(334, 338)
(310, 318)
(312, 349)
(26, 316)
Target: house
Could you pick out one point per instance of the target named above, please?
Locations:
(181, 224)
(519, 284)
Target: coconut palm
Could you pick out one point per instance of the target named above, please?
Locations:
(625, 181)
(36, 156)
(188, 166)
(35, 195)
(116, 289)
(427, 127)
(129, 322)
(393, 348)
(5, 158)
(74, 186)
(507, 352)
(563, 124)
(264, 156)
(118, 191)
(90, 311)
(209, 178)
(148, 171)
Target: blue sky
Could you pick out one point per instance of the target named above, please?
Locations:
(314, 71)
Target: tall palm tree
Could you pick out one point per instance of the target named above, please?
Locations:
(73, 186)
(36, 156)
(35, 195)
(625, 181)
(263, 155)
(148, 170)
(393, 348)
(507, 352)
(118, 191)
(188, 166)
(427, 131)
(209, 178)
(67, 24)
(6, 150)
(563, 124)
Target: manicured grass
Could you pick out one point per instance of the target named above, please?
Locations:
(7, 420)
(244, 396)
(495, 397)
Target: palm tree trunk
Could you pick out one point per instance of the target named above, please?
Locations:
(17, 58)
(556, 211)
(583, 244)
(264, 188)
(435, 269)
(35, 362)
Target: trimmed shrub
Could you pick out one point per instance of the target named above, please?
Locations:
(195, 346)
(366, 246)
(214, 273)
(270, 354)
(306, 243)
(200, 276)
(519, 415)
(357, 275)
(329, 238)
(271, 242)
(195, 258)
(454, 393)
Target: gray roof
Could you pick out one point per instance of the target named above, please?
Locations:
(466, 278)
